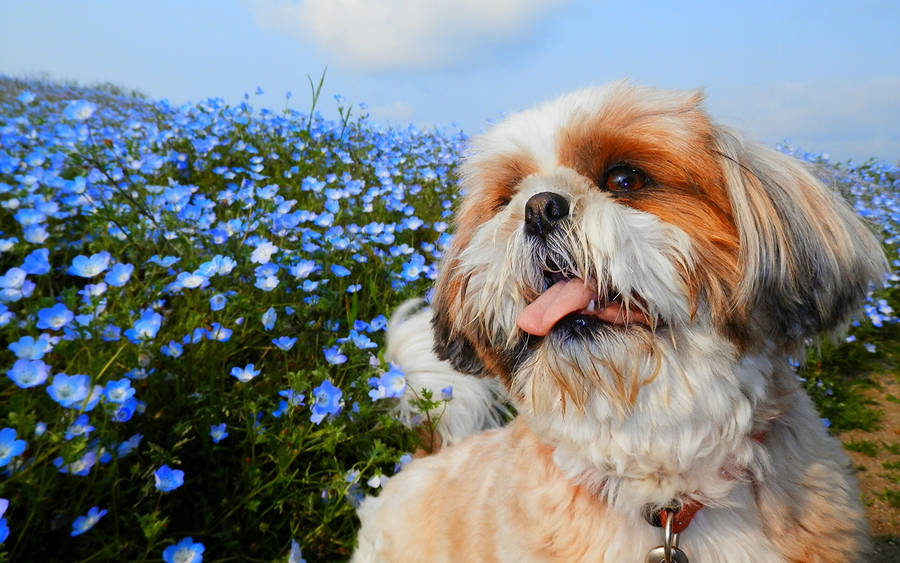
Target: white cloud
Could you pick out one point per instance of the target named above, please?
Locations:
(402, 34)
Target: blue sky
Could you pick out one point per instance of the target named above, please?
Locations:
(825, 75)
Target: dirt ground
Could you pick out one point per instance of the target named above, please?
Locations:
(880, 472)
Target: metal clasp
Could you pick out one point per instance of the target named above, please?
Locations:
(668, 552)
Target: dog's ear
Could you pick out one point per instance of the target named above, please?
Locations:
(451, 343)
(806, 258)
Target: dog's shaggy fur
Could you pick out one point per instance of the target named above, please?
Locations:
(637, 278)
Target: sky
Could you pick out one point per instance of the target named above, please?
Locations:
(824, 75)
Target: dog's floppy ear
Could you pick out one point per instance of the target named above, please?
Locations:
(451, 343)
(807, 259)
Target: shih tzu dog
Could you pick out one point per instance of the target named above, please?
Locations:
(636, 277)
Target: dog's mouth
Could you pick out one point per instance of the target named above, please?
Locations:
(570, 298)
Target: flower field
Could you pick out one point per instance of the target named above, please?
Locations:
(192, 308)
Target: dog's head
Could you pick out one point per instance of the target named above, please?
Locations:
(605, 237)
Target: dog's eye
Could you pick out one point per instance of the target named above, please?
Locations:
(624, 178)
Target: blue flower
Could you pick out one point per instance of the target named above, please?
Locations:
(172, 349)
(390, 384)
(284, 342)
(55, 317)
(217, 302)
(145, 328)
(294, 399)
(339, 271)
(333, 355)
(88, 267)
(217, 432)
(119, 274)
(263, 252)
(267, 283)
(126, 410)
(168, 479)
(37, 262)
(268, 318)
(80, 427)
(4, 528)
(69, 391)
(79, 110)
(303, 268)
(163, 262)
(185, 551)
(245, 373)
(84, 523)
(80, 467)
(28, 373)
(295, 556)
(327, 401)
(129, 445)
(219, 333)
(10, 447)
(28, 348)
(118, 391)
(14, 285)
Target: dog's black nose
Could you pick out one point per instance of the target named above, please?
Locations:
(543, 211)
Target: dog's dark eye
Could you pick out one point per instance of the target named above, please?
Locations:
(624, 178)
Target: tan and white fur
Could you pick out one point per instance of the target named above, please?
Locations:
(707, 261)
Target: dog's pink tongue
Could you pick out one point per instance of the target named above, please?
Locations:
(564, 297)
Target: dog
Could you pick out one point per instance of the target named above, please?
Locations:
(637, 277)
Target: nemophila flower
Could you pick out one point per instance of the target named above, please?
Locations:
(447, 393)
(69, 391)
(90, 266)
(167, 479)
(28, 348)
(172, 349)
(190, 280)
(869, 347)
(327, 400)
(129, 445)
(80, 467)
(164, 261)
(39, 428)
(26, 97)
(294, 556)
(4, 528)
(111, 333)
(92, 290)
(37, 262)
(28, 373)
(354, 288)
(79, 110)
(217, 302)
(267, 283)
(361, 341)
(219, 265)
(303, 268)
(145, 328)
(84, 523)
(81, 426)
(219, 333)
(294, 399)
(217, 432)
(185, 551)
(390, 384)
(119, 274)
(55, 317)
(284, 342)
(334, 356)
(245, 373)
(339, 271)
(14, 285)
(126, 410)
(263, 252)
(5, 314)
(269, 318)
(35, 234)
(118, 391)
(10, 446)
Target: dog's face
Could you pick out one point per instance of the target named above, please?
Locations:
(614, 235)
